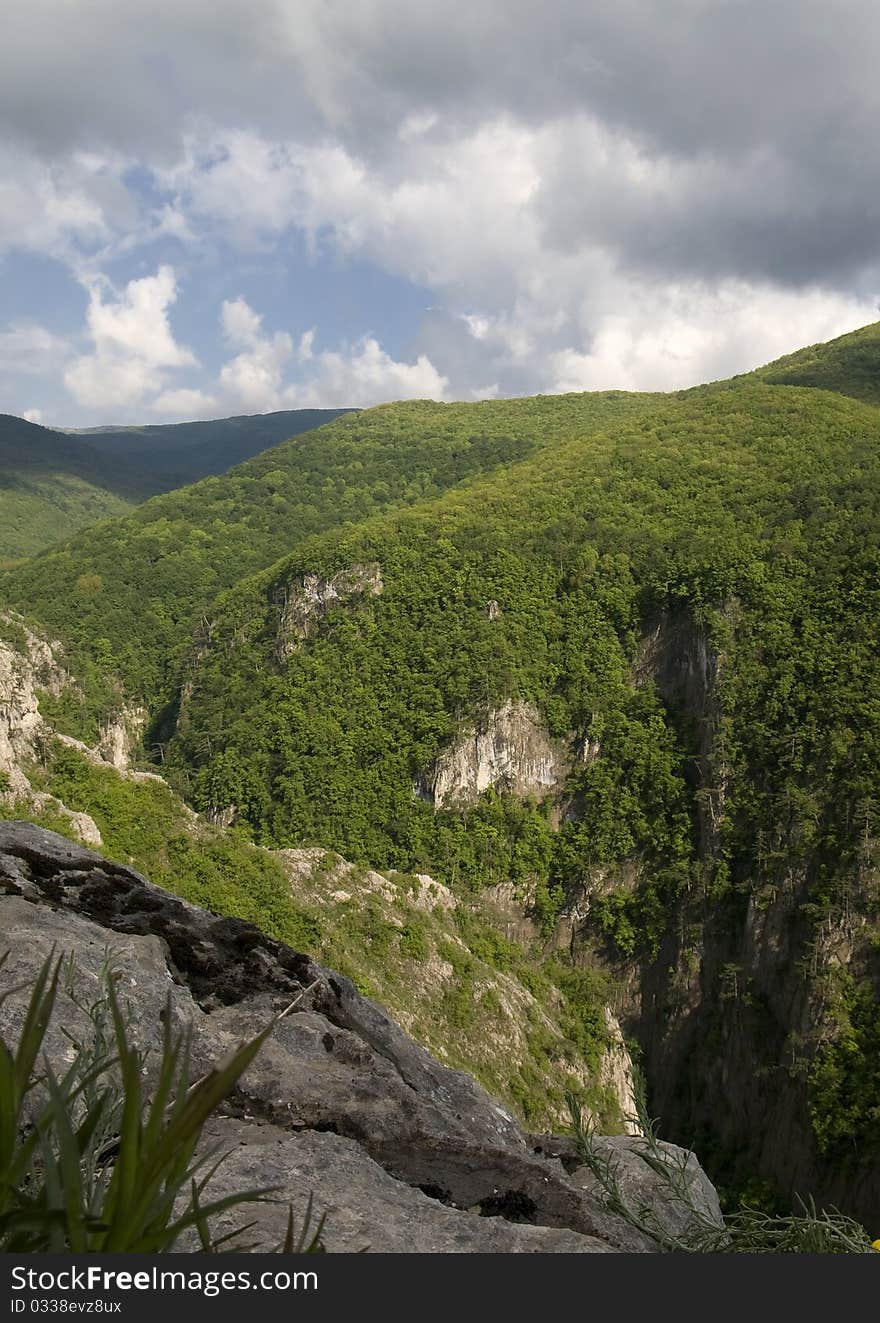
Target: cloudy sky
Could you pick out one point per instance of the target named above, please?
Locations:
(212, 207)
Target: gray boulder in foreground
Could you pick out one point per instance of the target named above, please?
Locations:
(401, 1153)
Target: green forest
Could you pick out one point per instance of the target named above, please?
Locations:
(53, 483)
(529, 551)
(126, 597)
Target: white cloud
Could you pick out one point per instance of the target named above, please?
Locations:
(258, 379)
(170, 220)
(253, 379)
(240, 324)
(49, 208)
(137, 323)
(696, 334)
(186, 404)
(27, 347)
(366, 375)
(134, 346)
(33, 415)
(237, 180)
(477, 325)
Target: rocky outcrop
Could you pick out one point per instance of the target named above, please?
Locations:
(509, 749)
(28, 668)
(305, 864)
(24, 670)
(420, 948)
(119, 736)
(307, 601)
(616, 1074)
(95, 756)
(670, 1203)
(401, 1153)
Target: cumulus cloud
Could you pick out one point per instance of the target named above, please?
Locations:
(242, 326)
(273, 371)
(236, 180)
(252, 380)
(361, 375)
(366, 375)
(697, 334)
(638, 192)
(134, 346)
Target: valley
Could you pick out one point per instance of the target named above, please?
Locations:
(551, 722)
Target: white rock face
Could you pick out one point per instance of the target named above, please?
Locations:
(510, 750)
(83, 824)
(616, 1073)
(432, 893)
(21, 674)
(22, 728)
(118, 736)
(308, 601)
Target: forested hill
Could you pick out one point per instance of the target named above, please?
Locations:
(616, 654)
(54, 483)
(179, 453)
(646, 662)
(51, 486)
(849, 365)
(760, 505)
(126, 597)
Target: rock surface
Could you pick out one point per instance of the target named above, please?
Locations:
(28, 668)
(401, 1153)
(307, 601)
(24, 670)
(510, 749)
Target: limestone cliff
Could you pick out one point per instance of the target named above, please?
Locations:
(509, 749)
(25, 669)
(29, 666)
(308, 600)
(741, 996)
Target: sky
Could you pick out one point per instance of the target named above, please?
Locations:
(211, 207)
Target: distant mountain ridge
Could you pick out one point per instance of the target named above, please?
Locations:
(51, 486)
(53, 482)
(178, 453)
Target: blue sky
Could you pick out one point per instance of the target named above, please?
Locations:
(215, 208)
